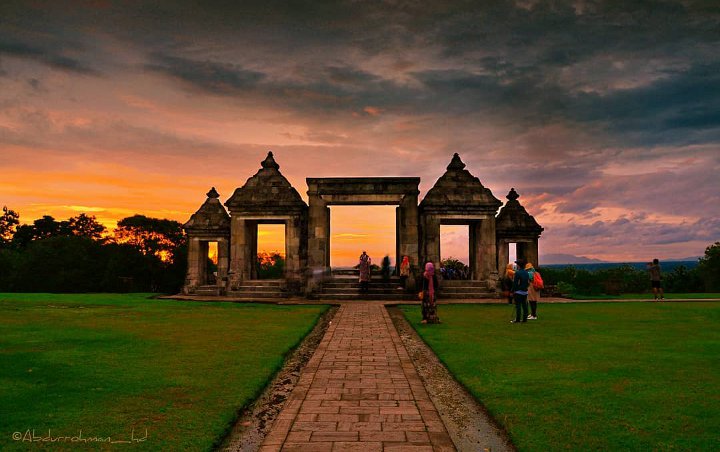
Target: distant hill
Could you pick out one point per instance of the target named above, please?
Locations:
(667, 266)
(684, 259)
(559, 259)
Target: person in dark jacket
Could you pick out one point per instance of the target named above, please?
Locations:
(520, 291)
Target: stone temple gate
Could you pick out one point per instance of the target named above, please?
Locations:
(457, 198)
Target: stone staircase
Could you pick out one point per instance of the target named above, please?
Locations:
(259, 289)
(344, 285)
(210, 290)
(464, 289)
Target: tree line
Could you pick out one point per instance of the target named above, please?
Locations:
(570, 280)
(142, 254)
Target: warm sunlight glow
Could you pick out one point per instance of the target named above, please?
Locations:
(357, 228)
(213, 252)
(271, 239)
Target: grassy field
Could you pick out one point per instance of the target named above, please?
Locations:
(648, 296)
(107, 364)
(601, 376)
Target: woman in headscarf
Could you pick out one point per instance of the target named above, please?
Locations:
(533, 293)
(364, 268)
(430, 284)
(507, 282)
(404, 271)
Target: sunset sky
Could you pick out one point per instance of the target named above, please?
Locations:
(605, 116)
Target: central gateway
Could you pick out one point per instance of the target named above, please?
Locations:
(347, 191)
(457, 198)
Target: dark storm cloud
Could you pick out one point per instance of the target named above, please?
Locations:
(218, 78)
(685, 101)
(50, 57)
(503, 58)
(309, 88)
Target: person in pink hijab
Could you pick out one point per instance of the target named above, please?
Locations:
(430, 284)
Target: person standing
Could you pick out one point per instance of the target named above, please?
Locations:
(507, 282)
(364, 267)
(656, 280)
(404, 271)
(520, 292)
(533, 293)
(430, 284)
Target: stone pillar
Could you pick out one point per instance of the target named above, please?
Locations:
(240, 252)
(192, 276)
(531, 252)
(488, 251)
(318, 240)
(202, 263)
(223, 262)
(327, 234)
(503, 251)
(431, 236)
(398, 253)
(408, 237)
(293, 254)
(252, 236)
(473, 250)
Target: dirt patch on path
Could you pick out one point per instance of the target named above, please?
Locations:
(256, 420)
(468, 422)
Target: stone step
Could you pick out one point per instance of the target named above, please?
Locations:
(465, 295)
(384, 297)
(450, 289)
(343, 285)
(463, 283)
(263, 282)
(252, 294)
(355, 292)
(350, 290)
(357, 278)
(209, 290)
(248, 288)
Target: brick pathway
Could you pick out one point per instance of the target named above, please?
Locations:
(359, 391)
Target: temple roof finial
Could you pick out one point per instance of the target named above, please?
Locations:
(512, 195)
(269, 162)
(213, 193)
(456, 164)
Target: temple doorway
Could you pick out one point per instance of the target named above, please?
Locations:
(455, 251)
(354, 229)
(271, 252)
(212, 263)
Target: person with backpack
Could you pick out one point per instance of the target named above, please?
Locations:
(536, 283)
(520, 286)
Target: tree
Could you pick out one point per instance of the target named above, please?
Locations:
(151, 235)
(42, 228)
(270, 265)
(709, 268)
(85, 226)
(8, 224)
(59, 264)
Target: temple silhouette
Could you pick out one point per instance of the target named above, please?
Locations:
(457, 198)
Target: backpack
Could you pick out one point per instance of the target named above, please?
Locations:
(537, 281)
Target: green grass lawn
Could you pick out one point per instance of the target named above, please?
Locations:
(601, 376)
(107, 364)
(648, 296)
